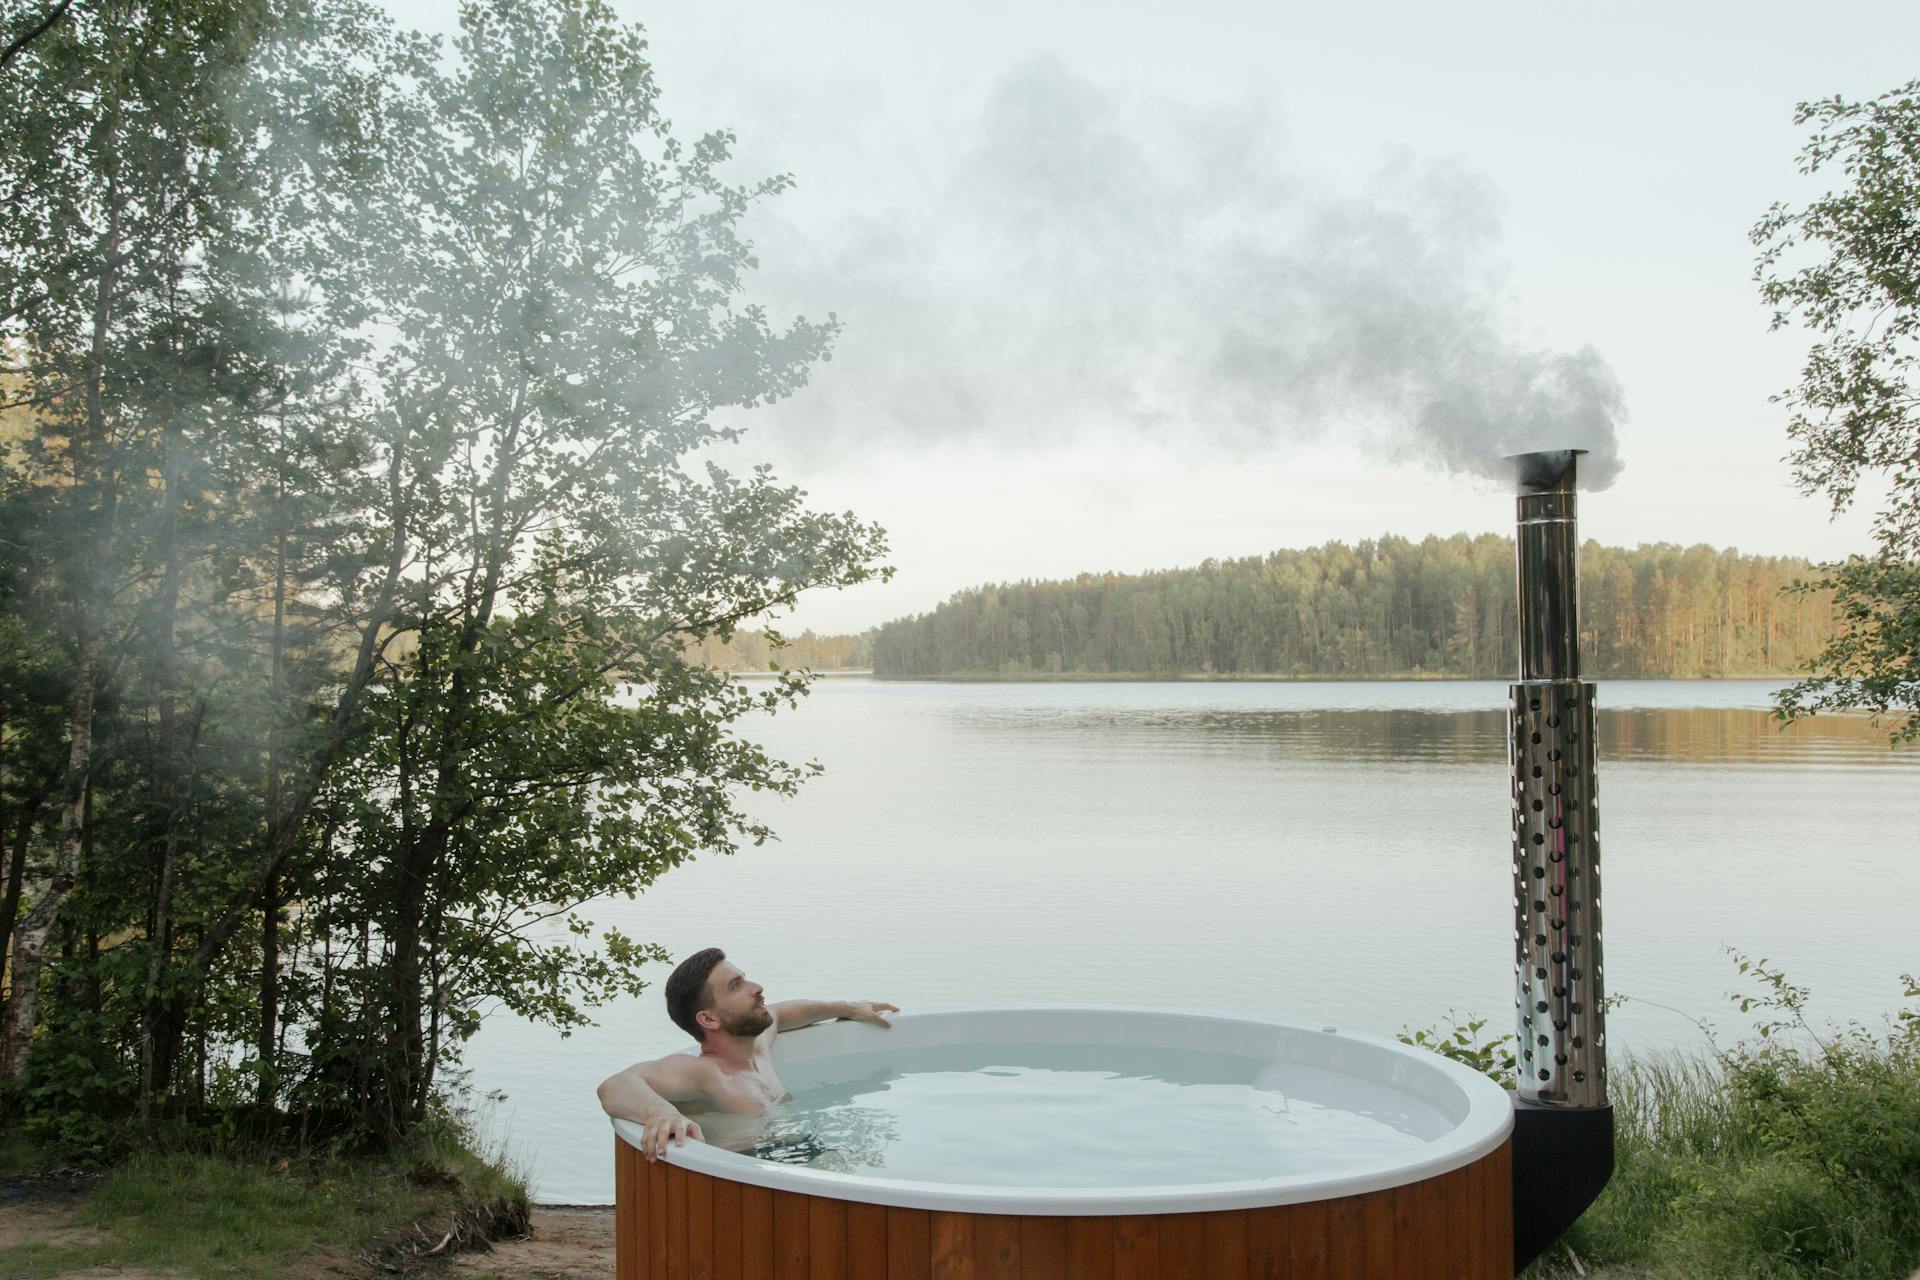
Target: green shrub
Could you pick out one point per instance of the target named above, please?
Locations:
(1791, 1155)
(1467, 1042)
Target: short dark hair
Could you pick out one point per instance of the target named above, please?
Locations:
(687, 990)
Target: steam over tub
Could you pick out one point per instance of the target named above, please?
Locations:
(1356, 1157)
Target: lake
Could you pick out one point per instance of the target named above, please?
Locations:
(1322, 852)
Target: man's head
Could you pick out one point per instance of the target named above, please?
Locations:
(707, 993)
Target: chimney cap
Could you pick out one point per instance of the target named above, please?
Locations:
(1546, 469)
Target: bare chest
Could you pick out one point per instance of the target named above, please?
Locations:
(748, 1092)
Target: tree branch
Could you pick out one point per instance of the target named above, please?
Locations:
(21, 42)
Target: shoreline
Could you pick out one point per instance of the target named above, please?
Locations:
(1196, 677)
(1202, 678)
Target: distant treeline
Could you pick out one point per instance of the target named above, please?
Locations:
(1386, 607)
(756, 651)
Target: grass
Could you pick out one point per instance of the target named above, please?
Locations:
(249, 1217)
(1796, 1156)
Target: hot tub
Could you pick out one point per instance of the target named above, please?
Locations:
(1441, 1205)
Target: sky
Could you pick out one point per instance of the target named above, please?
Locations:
(1128, 286)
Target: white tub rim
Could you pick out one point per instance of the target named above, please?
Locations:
(1487, 1122)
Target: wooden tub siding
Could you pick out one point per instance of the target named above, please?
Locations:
(673, 1224)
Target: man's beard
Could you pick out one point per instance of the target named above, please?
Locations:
(748, 1024)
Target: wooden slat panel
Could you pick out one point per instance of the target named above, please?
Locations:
(674, 1225)
(1499, 1219)
(1346, 1239)
(1043, 1248)
(909, 1244)
(727, 1243)
(676, 1219)
(1226, 1235)
(646, 1224)
(953, 1246)
(996, 1247)
(756, 1234)
(625, 1197)
(826, 1238)
(790, 1229)
(1268, 1243)
(1442, 1204)
(699, 1225)
(1307, 1232)
(1470, 1233)
(1090, 1249)
(1413, 1252)
(1183, 1246)
(866, 1241)
(648, 1227)
(1376, 1216)
(1136, 1248)
(657, 1216)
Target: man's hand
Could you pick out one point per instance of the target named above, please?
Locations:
(666, 1127)
(869, 1011)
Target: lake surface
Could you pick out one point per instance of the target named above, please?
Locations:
(1316, 852)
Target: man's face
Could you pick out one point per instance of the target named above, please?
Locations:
(739, 1006)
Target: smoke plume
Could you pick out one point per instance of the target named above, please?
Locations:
(1081, 264)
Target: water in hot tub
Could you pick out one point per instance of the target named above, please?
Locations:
(1074, 1116)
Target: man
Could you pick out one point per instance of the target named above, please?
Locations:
(712, 1001)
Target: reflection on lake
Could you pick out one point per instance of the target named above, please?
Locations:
(1693, 735)
(1681, 721)
(1317, 851)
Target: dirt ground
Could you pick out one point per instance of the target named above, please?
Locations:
(568, 1242)
(41, 1210)
(44, 1220)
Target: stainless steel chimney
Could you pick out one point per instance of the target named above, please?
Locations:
(1556, 828)
(1563, 1124)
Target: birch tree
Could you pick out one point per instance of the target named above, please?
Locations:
(1846, 268)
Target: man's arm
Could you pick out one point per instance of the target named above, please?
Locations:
(645, 1093)
(790, 1015)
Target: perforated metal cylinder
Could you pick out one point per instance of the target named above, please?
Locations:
(1558, 968)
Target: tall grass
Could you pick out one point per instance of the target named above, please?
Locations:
(1793, 1155)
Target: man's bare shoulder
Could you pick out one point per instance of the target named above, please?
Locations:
(686, 1066)
(678, 1077)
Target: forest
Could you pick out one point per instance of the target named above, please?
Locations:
(353, 389)
(1383, 607)
(750, 649)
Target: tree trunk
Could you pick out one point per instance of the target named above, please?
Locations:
(97, 481)
(403, 935)
(162, 1013)
(421, 857)
(171, 767)
(30, 942)
(270, 891)
(17, 859)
